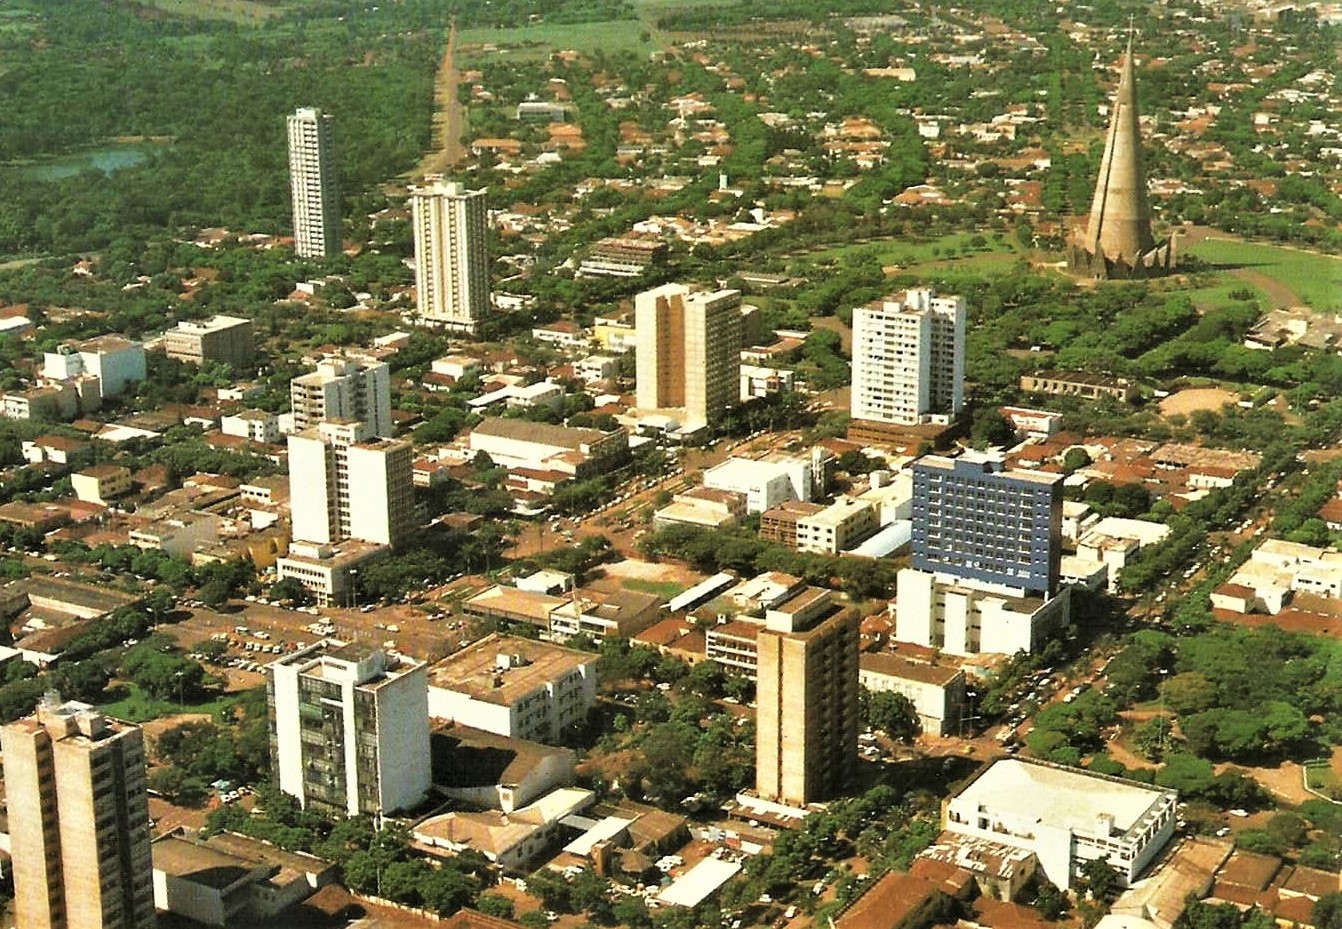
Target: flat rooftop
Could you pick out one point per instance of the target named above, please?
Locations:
(898, 666)
(1075, 799)
(478, 671)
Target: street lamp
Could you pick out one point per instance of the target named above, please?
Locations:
(353, 588)
(181, 703)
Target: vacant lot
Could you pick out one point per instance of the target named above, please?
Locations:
(1197, 398)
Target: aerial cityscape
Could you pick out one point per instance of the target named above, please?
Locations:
(512, 464)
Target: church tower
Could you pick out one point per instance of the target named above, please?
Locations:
(1118, 243)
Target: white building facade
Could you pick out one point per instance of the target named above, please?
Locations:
(350, 730)
(908, 359)
(1066, 816)
(346, 483)
(343, 388)
(451, 226)
(314, 183)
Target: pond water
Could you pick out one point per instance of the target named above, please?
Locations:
(107, 159)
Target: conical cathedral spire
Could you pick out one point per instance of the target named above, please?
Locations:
(1118, 241)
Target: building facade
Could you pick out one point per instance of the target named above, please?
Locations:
(349, 728)
(909, 359)
(225, 339)
(346, 483)
(976, 521)
(965, 619)
(688, 353)
(343, 388)
(314, 183)
(836, 528)
(78, 820)
(115, 363)
(807, 699)
(937, 691)
(451, 227)
(514, 687)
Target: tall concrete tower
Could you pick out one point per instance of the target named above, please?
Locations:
(314, 185)
(78, 819)
(1118, 242)
(688, 351)
(451, 226)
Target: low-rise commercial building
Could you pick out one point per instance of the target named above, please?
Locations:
(101, 483)
(836, 528)
(1113, 541)
(514, 687)
(256, 425)
(937, 691)
(1066, 816)
(579, 453)
(223, 339)
(624, 613)
(702, 506)
(765, 483)
(496, 772)
(231, 879)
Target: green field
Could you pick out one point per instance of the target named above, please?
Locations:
(138, 707)
(665, 589)
(234, 11)
(1316, 279)
(543, 38)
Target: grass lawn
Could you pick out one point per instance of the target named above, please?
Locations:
(665, 589)
(542, 38)
(1317, 279)
(908, 252)
(1321, 776)
(136, 706)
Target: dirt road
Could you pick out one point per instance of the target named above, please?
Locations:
(448, 117)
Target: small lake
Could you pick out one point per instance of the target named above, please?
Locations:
(107, 159)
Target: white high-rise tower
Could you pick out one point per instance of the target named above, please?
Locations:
(451, 254)
(314, 185)
(909, 359)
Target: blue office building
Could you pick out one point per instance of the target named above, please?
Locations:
(978, 522)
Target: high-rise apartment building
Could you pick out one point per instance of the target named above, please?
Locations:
(342, 389)
(688, 351)
(909, 359)
(78, 820)
(347, 483)
(806, 691)
(451, 226)
(314, 184)
(975, 521)
(349, 728)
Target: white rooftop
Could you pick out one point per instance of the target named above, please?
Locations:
(699, 883)
(605, 829)
(1060, 797)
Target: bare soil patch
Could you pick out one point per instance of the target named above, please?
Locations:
(1196, 398)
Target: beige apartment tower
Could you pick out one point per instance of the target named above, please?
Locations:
(314, 184)
(78, 820)
(451, 227)
(807, 692)
(688, 351)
